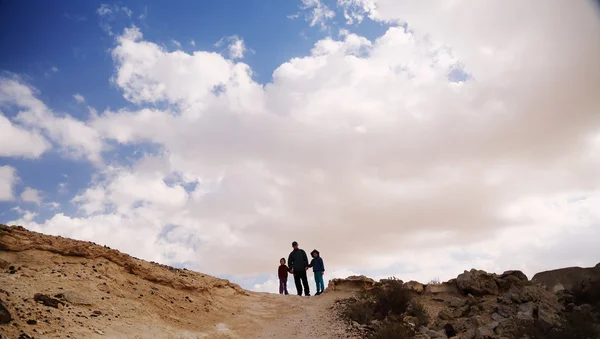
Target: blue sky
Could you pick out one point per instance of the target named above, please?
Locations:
(398, 139)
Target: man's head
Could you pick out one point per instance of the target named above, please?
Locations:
(295, 245)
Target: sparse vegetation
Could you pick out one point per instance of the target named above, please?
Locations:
(434, 281)
(418, 311)
(391, 298)
(393, 330)
(388, 303)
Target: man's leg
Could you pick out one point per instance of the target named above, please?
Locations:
(297, 277)
(305, 283)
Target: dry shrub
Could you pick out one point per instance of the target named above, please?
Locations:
(361, 310)
(392, 298)
(418, 311)
(393, 330)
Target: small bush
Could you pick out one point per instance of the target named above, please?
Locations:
(361, 310)
(392, 298)
(393, 330)
(418, 311)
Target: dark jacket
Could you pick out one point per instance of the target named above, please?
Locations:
(298, 261)
(283, 272)
(317, 264)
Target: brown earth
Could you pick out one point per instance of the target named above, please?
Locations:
(55, 287)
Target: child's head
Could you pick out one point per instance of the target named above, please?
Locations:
(282, 261)
(314, 253)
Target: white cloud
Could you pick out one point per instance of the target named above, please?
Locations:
(8, 177)
(127, 11)
(104, 9)
(176, 43)
(16, 141)
(363, 149)
(79, 98)
(74, 137)
(31, 195)
(236, 47)
(319, 13)
(54, 69)
(356, 10)
(193, 43)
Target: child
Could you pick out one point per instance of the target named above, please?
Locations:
(318, 269)
(283, 276)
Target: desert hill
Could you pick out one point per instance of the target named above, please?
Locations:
(53, 287)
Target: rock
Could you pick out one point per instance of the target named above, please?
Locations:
(355, 325)
(352, 283)
(484, 332)
(511, 278)
(477, 283)
(47, 300)
(31, 322)
(496, 317)
(5, 316)
(99, 332)
(457, 302)
(564, 278)
(75, 298)
(526, 311)
(415, 286)
(4, 264)
(517, 274)
(435, 334)
(412, 321)
(447, 287)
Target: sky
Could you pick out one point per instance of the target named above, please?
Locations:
(414, 139)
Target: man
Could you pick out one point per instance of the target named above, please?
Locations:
(298, 264)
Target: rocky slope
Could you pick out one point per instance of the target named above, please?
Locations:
(558, 304)
(52, 287)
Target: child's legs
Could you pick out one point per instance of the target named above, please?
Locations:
(280, 286)
(319, 281)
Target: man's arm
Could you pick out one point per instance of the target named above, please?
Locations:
(290, 262)
(305, 259)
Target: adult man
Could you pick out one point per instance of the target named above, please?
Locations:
(298, 264)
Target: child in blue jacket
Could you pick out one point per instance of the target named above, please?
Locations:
(318, 269)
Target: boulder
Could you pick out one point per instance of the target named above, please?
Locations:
(447, 287)
(414, 286)
(511, 278)
(47, 300)
(564, 278)
(352, 284)
(477, 283)
(75, 298)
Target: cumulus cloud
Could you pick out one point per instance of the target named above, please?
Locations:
(74, 137)
(16, 141)
(31, 195)
(8, 177)
(365, 149)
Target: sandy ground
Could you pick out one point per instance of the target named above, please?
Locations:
(106, 294)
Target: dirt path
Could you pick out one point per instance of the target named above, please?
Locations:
(306, 317)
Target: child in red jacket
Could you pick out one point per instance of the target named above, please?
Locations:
(283, 276)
